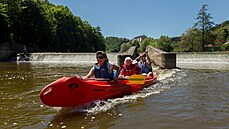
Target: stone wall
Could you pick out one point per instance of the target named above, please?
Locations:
(165, 60)
(8, 50)
(131, 52)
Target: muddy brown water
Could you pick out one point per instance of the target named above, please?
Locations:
(183, 98)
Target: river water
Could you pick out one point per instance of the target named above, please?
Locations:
(183, 98)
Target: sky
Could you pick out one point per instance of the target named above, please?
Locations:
(153, 18)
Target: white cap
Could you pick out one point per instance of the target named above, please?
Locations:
(128, 58)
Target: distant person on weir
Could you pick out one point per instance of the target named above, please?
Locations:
(103, 68)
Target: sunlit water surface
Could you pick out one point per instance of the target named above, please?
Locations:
(182, 98)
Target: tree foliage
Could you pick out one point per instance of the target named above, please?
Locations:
(113, 44)
(225, 46)
(125, 47)
(203, 33)
(164, 43)
(3, 23)
(190, 41)
(42, 26)
(203, 23)
(146, 42)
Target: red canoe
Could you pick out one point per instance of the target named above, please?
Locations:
(72, 91)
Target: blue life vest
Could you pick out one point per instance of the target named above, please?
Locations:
(102, 72)
(145, 69)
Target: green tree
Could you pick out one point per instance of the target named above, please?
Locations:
(221, 36)
(4, 29)
(94, 38)
(136, 44)
(42, 26)
(165, 43)
(99, 40)
(13, 9)
(204, 23)
(225, 46)
(125, 47)
(27, 23)
(113, 43)
(35, 27)
(190, 41)
(146, 42)
(64, 23)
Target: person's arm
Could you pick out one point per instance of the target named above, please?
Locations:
(89, 75)
(148, 63)
(117, 68)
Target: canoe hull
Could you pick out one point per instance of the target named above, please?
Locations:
(72, 91)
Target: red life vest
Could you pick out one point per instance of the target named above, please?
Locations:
(128, 70)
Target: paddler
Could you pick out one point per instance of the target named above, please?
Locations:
(103, 68)
(144, 64)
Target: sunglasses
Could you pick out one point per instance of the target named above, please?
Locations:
(100, 57)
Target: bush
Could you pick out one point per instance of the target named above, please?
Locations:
(225, 47)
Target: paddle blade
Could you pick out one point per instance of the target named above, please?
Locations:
(137, 79)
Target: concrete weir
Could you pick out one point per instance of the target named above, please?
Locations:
(84, 58)
(190, 60)
(203, 60)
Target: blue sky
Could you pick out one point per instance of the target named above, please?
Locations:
(131, 18)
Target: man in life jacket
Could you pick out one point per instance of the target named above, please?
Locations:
(129, 69)
(103, 68)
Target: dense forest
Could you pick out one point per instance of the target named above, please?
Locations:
(113, 43)
(42, 26)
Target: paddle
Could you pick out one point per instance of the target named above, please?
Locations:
(137, 79)
(140, 55)
(133, 79)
